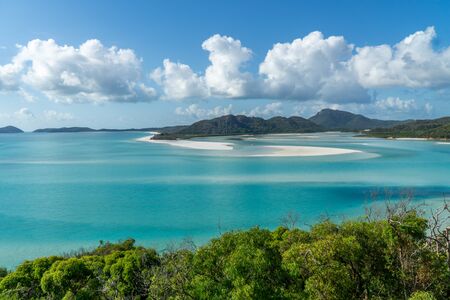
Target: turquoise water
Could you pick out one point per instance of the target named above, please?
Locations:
(59, 192)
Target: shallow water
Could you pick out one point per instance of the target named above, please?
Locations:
(59, 192)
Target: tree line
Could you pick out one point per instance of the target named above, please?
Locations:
(400, 255)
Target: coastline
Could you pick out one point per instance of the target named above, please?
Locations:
(289, 151)
(199, 145)
(277, 150)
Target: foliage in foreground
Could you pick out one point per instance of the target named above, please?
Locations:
(389, 258)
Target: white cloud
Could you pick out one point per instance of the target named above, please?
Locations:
(23, 114)
(9, 76)
(224, 76)
(271, 109)
(194, 110)
(396, 104)
(52, 115)
(412, 63)
(179, 81)
(311, 68)
(89, 73)
(327, 70)
(24, 94)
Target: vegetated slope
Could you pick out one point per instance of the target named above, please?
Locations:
(343, 120)
(10, 129)
(232, 125)
(437, 129)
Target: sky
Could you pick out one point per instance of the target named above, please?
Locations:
(123, 64)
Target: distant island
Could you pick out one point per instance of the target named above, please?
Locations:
(324, 120)
(167, 129)
(10, 129)
(234, 125)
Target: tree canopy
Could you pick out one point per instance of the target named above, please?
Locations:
(386, 258)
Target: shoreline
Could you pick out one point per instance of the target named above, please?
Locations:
(291, 151)
(199, 145)
(277, 150)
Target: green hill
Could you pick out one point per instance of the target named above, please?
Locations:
(10, 129)
(343, 120)
(435, 129)
(233, 125)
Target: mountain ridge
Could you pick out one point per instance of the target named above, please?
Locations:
(332, 119)
(240, 124)
(431, 129)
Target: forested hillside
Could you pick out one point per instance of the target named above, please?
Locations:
(434, 129)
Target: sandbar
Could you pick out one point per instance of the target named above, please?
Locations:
(303, 151)
(191, 144)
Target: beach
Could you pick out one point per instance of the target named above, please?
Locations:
(275, 150)
(191, 144)
(278, 151)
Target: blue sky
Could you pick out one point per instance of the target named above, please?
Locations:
(218, 60)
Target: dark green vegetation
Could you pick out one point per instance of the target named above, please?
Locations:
(331, 119)
(10, 129)
(326, 119)
(234, 125)
(434, 129)
(398, 256)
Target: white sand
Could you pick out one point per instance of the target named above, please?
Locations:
(304, 151)
(411, 139)
(190, 144)
(277, 151)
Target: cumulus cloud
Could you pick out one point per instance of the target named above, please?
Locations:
(411, 63)
(396, 104)
(194, 110)
(52, 115)
(179, 81)
(312, 68)
(9, 76)
(271, 109)
(23, 114)
(224, 76)
(89, 73)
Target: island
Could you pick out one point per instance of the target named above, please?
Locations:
(10, 129)
(424, 129)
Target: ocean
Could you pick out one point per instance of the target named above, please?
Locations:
(60, 192)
